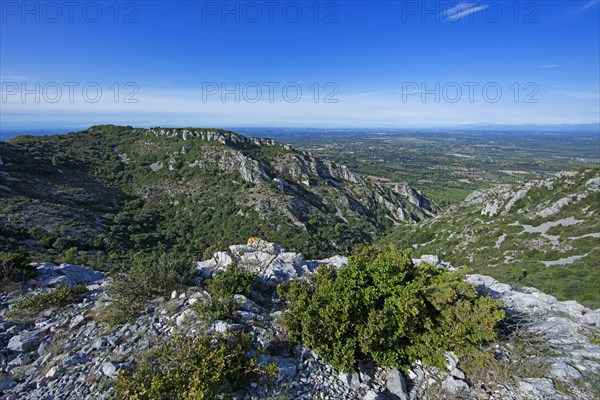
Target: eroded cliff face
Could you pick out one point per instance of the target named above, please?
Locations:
(567, 188)
(295, 171)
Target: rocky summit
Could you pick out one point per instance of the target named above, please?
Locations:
(548, 349)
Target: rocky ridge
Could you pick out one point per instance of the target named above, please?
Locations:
(502, 199)
(66, 353)
(302, 169)
(85, 188)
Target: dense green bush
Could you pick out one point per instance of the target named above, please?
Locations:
(381, 307)
(234, 280)
(152, 275)
(223, 309)
(185, 368)
(14, 268)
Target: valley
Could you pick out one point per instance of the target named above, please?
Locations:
(448, 164)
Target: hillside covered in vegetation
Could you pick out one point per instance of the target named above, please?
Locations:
(99, 195)
(545, 233)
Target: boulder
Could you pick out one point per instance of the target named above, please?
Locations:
(53, 372)
(25, 341)
(565, 372)
(245, 304)
(396, 384)
(351, 380)
(278, 271)
(111, 369)
(184, 317)
(539, 388)
(456, 387)
(49, 274)
(223, 259)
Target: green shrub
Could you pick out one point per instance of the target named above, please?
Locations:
(234, 280)
(150, 276)
(60, 296)
(185, 368)
(14, 268)
(215, 308)
(381, 307)
(222, 288)
(69, 256)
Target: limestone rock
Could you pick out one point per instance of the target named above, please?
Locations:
(541, 388)
(456, 386)
(351, 379)
(110, 369)
(396, 384)
(25, 341)
(49, 274)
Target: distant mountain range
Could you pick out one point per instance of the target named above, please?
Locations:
(109, 191)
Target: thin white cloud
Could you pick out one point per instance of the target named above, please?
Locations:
(580, 95)
(549, 66)
(589, 5)
(461, 11)
(385, 108)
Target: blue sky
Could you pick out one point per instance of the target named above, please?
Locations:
(357, 64)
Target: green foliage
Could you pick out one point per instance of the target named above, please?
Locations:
(500, 245)
(184, 368)
(150, 276)
(483, 366)
(222, 287)
(223, 309)
(191, 209)
(381, 307)
(70, 256)
(14, 268)
(234, 280)
(58, 297)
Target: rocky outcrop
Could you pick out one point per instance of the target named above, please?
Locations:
(413, 196)
(67, 354)
(500, 200)
(249, 169)
(296, 172)
(226, 138)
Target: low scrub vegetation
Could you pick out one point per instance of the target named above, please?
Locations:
(185, 368)
(150, 276)
(381, 307)
(222, 289)
(58, 297)
(234, 280)
(14, 268)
